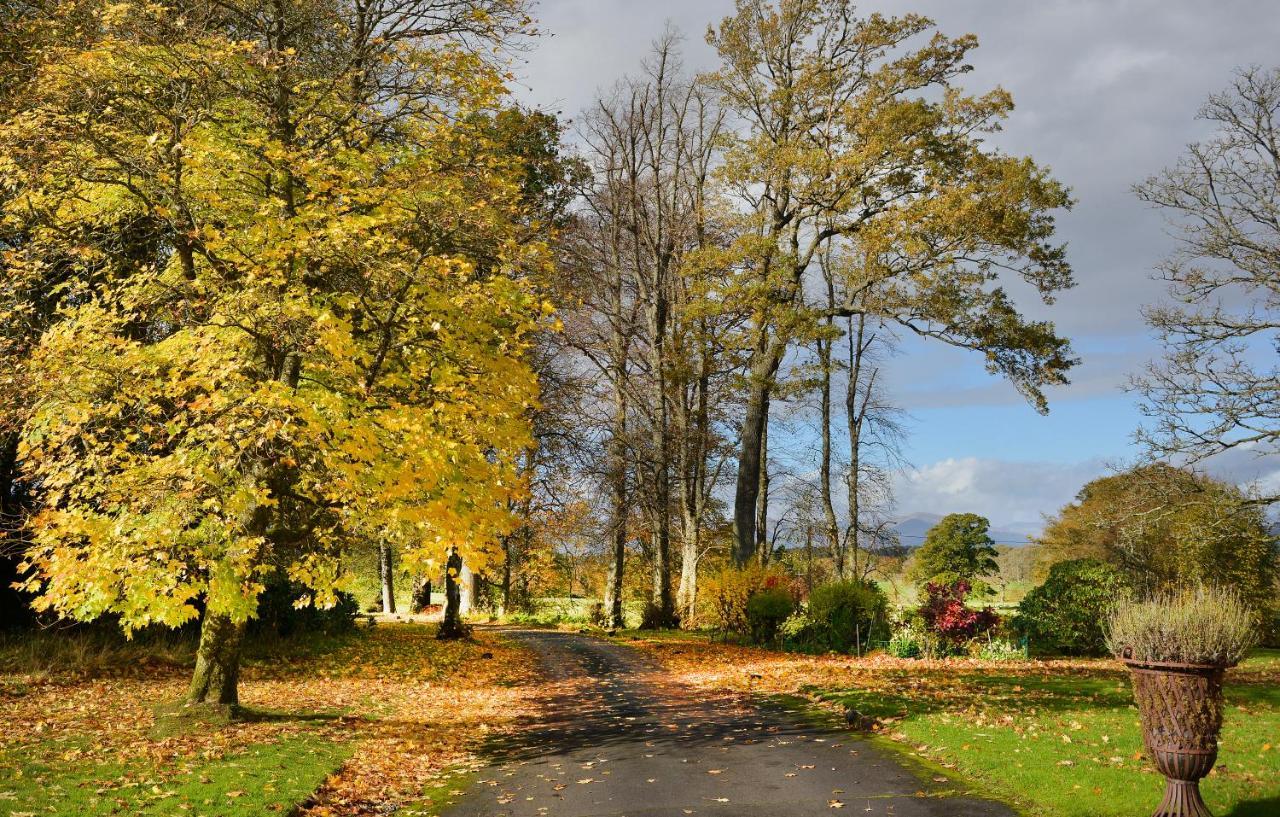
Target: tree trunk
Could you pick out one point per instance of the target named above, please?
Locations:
(387, 575)
(476, 600)
(517, 544)
(856, 414)
(693, 431)
(216, 679)
(687, 595)
(764, 365)
(9, 505)
(617, 563)
(613, 587)
(506, 573)
(828, 506)
(763, 546)
(452, 626)
(617, 475)
(217, 673)
(808, 559)
(661, 598)
(421, 595)
(661, 537)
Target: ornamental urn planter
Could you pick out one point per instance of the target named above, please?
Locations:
(1181, 709)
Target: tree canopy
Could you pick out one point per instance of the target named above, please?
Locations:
(1162, 526)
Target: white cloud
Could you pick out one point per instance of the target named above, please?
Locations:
(1018, 495)
(1010, 494)
(1248, 468)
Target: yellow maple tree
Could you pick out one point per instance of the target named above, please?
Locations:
(298, 303)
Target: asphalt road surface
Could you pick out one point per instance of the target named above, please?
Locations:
(620, 740)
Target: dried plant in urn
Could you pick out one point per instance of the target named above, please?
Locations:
(1177, 646)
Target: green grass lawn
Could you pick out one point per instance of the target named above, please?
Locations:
(1069, 743)
(261, 778)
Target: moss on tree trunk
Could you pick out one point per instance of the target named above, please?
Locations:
(217, 674)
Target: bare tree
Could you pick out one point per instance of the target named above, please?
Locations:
(1218, 387)
(872, 422)
(875, 435)
(600, 324)
(550, 465)
(652, 145)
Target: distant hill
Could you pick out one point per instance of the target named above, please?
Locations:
(912, 530)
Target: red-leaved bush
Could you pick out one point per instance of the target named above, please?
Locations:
(945, 613)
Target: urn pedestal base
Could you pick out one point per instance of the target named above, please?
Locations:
(1182, 799)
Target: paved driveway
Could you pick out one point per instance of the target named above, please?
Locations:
(620, 739)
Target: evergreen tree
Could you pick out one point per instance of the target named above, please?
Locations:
(956, 549)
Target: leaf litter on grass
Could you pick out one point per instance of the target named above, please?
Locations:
(370, 723)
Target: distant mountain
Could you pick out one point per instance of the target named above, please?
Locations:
(913, 528)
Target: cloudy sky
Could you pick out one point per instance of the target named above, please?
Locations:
(1106, 93)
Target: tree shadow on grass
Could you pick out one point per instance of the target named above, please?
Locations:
(177, 718)
(1267, 807)
(1253, 693)
(891, 696)
(900, 693)
(252, 715)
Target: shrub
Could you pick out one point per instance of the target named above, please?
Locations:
(946, 615)
(724, 596)
(845, 615)
(1271, 629)
(911, 639)
(1065, 614)
(1200, 625)
(795, 629)
(767, 609)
